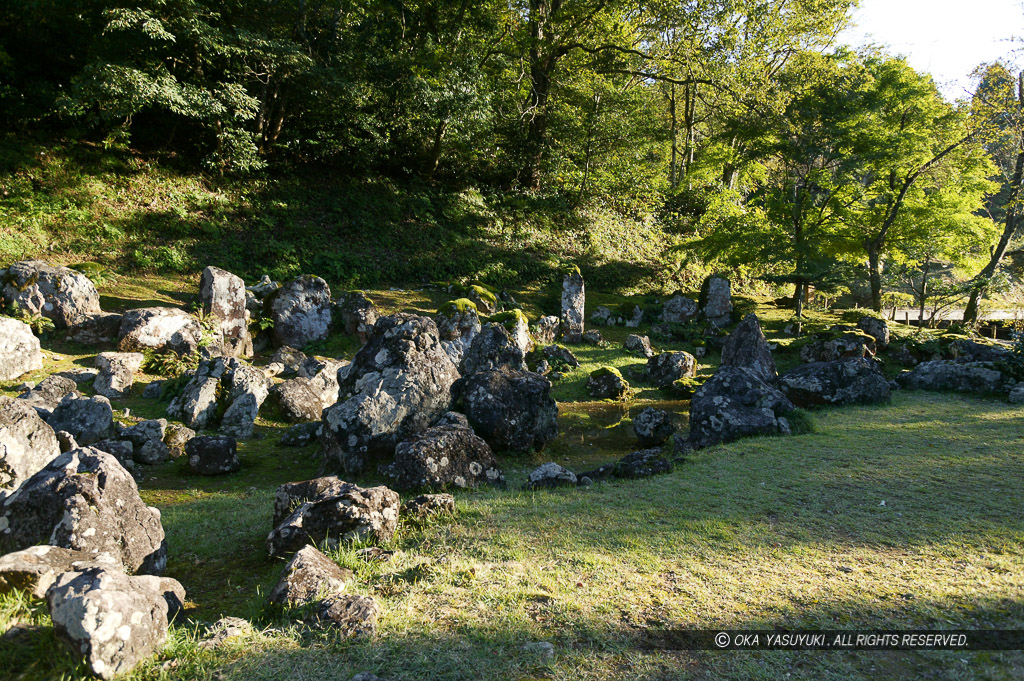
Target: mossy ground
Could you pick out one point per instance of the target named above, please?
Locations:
(899, 516)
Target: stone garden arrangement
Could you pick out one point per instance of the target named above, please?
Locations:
(433, 404)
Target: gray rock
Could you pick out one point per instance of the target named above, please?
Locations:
(222, 296)
(353, 513)
(154, 390)
(653, 427)
(716, 301)
(176, 436)
(301, 310)
(746, 347)
(27, 443)
(458, 321)
(19, 349)
(641, 464)
(945, 375)
(639, 345)
(426, 505)
(301, 435)
(212, 455)
(636, 318)
(309, 576)
(196, 405)
(966, 351)
(247, 389)
(607, 383)
(665, 369)
(679, 310)
(122, 450)
(85, 500)
(88, 419)
(492, 348)
(112, 621)
(297, 400)
(152, 453)
(66, 441)
(59, 293)
(1017, 394)
(358, 315)
(510, 410)
(545, 331)
(159, 329)
(45, 397)
(264, 287)
(290, 358)
(592, 337)
(838, 344)
(144, 431)
(848, 381)
(443, 456)
(550, 475)
(877, 329)
(291, 495)
(80, 375)
(736, 403)
(117, 372)
(96, 329)
(398, 384)
(602, 316)
(35, 569)
(350, 615)
(559, 355)
(223, 631)
(573, 299)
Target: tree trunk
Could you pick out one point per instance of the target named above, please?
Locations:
(923, 300)
(1010, 226)
(674, 134)
(875, 275)
(542, 62)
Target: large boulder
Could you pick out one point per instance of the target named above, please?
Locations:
(196, 404)
(159, 329)
(20, 352)
(653, 427)
(715, 301)
(358, 314)
(746, 347)
(27, 443)
(301, 312)
(397, 385)
(298, 400)
(350, 615)
(665, 369)
(117, 373)
(222, 297)
(966, 351)
(85, 500)
(88, 419)
(212, 455)
(309, 576)
(492, 348)
(839, 342)
(877, 329)
(45, 397)
(35, 569)
(638, 345)
(848, 381)
(96, 329)
(447, 455)
(352, 513)
(545, 330)
(247, 389)
(458, 321)
(679, 310)
(58, 293)
(945, 375)
(110, 620)
(606, 383)
(510, 410)
(573, 299)
(736, 403)
(291, 495)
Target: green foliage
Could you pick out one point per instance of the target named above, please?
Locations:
(39, 324)
(97, 274)
(801, 422)
(170, 364)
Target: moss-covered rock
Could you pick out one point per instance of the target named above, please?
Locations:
(457, 306)
(606, 383)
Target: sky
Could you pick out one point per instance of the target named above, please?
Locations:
(946, 38)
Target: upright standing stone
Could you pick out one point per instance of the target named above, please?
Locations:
(59, 293)
(301, 311)
(716, 301)
(573, 298)
(222, 295)
(20, 352)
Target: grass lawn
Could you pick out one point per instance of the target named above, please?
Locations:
(909, 515)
